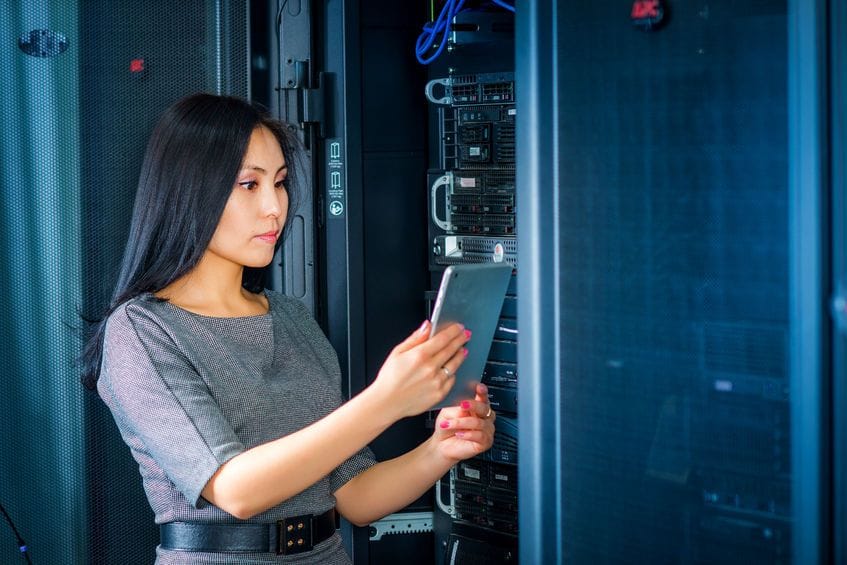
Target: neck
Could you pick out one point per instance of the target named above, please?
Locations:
(214, 288)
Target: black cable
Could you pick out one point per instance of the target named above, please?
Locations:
(21, 543)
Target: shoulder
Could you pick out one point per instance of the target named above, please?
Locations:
(142, 310)
(139, 321)
(141, 336)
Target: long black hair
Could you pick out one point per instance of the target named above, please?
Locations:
(189, 169)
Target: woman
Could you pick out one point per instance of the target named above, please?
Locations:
(228, 395)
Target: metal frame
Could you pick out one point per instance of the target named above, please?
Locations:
(540, 448)
(838, 151)
(810, 385)
(341, 247)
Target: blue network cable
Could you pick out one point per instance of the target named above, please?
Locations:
(21, 543)
(504, 4)
(431, 30)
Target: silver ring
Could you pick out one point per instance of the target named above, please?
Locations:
(487, 415)
(446, 371)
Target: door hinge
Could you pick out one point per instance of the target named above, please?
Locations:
(310, 96)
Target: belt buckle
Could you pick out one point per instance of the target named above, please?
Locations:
(295, 535)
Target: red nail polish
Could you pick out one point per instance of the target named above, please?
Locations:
(465, 351)
(444, 425)
(466, 404)
(468, 334)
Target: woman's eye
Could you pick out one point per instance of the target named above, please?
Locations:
(249, 184)
(282, 183)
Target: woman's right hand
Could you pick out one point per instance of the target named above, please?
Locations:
(419, 372)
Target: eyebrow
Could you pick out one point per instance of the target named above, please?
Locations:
(260, 169)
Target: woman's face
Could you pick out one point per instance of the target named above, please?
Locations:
(254, 215)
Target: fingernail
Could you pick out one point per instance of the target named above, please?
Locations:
(444, 425)
(465, 351)
(423, 326)
(466, 404)
(482, 388)
(468, 334)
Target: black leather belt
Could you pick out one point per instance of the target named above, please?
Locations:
(284, 537)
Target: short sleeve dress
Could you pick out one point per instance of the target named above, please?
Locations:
(189, 392)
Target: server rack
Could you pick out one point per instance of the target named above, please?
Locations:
(472, 211)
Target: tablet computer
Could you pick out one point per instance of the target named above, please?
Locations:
(471, 295)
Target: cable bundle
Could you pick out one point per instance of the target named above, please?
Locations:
(431, 30)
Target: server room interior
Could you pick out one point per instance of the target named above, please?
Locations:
(726, 499)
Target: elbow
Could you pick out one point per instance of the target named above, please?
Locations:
(353, 515)
(241, 512)
(357, 521)
(237, 508)
(359, 517)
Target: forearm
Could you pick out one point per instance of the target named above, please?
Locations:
(391, 485)
(265, 475)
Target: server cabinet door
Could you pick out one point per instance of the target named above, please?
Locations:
(83, 83)
(674, 359)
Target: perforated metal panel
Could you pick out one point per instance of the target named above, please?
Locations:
(75, 122)
(41, 431)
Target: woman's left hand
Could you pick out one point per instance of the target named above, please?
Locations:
(464, 431)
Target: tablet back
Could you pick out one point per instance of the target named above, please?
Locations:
(471, 295)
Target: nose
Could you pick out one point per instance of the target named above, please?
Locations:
(271, 202)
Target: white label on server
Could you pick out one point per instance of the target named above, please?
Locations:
(499, 253)
(472, 473)
(475, 151)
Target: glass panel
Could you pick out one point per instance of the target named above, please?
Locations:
(675, 285)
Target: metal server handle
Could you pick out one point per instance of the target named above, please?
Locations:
(448, 92)
(451, 509)
(444, 180)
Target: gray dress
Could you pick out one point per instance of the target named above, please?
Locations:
(189, 392)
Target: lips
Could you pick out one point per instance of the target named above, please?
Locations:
(269, 237)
